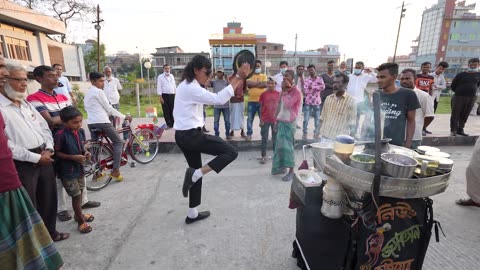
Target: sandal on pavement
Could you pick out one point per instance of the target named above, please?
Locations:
(118, 178)
(99, 176)
(87, 217)
(64, 216)
(467, 202)
(84, 228)
(263, 160)
(60, 237)
(91, 204)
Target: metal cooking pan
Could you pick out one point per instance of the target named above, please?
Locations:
(244, 56)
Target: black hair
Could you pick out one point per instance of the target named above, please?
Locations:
(290, 72)
(300, 66)
(283, 63)
(68, 113)
(40, 70)
(93, 76)
(344, 76)
(330, 62)
(312, 66)
(411, 70)
(54, 65)
(474, 60)
(360, 63)
(258, 61)
(197, 62)
(443, 64)
(391, 67)
(166, 65)
(426, 63)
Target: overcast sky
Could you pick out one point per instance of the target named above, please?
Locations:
(365, 30)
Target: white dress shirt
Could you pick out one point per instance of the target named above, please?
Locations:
(98, 108)
(189, 101)
(65, 89)
(166, 84)
(111, 90)
(438, 85)
(25, 128)
(425, 110)
(358, 84)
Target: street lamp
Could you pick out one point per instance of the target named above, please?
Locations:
(148, 65)
(268, 64)
(98, 27)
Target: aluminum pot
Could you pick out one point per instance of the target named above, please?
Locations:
(398, 165)
(359, 161)
(320, 151)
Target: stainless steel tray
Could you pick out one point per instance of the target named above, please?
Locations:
(402, 188)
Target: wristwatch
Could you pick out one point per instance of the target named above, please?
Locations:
(50, 150)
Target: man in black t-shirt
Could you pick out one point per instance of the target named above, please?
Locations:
(399, 106)
(465, 85)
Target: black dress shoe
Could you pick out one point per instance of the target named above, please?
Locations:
(187, 181)
(201, 215)
(461, 132)
(91, 204)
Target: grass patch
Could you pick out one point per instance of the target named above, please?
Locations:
(444, 105)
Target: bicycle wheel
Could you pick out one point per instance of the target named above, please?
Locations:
(96, 171)
(144, 147)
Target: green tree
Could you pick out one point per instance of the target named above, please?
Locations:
(90, 58)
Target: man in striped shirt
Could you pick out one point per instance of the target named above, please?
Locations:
(339, 112)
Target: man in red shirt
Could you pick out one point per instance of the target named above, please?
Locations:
(268, 106)
(424, 80)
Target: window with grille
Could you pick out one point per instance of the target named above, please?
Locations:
(18, 49)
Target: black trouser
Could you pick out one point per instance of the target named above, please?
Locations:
(167, 107)
(41, 186)
(193, 143)
(435, 105)
(461, 108)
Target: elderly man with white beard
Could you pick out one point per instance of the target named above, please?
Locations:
(31, 142)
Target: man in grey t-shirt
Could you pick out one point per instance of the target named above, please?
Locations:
(218, 84)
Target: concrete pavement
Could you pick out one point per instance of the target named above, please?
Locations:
(140, 224)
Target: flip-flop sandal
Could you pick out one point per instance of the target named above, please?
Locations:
(87, 217)
(118, 178)
(84, 228)
(60, 237)
(64, 216)
(467, 202)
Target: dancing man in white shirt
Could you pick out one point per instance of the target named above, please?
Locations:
(98, 110)
(188, 114)
(166, 90)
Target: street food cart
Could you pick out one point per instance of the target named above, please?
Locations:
(371, 211)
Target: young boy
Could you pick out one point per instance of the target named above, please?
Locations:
(70, 153)
(286, 117)
(268, 106)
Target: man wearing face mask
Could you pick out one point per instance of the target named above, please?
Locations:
(279, 77)
(359, 80)
(256, 86)
(464, 85)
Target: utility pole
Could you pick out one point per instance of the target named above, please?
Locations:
(295, 53)
(98, 27)
(402, 14)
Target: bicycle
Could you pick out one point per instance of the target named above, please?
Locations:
(142, 146)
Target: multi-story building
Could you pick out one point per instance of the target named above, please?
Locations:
(173, 56)
(225, 46)
(450, 32)
(25, 40)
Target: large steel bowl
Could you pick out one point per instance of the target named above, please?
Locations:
(321, 151)
(364, 162)
(398, 165)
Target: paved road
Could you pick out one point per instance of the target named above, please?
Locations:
(140, 224)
